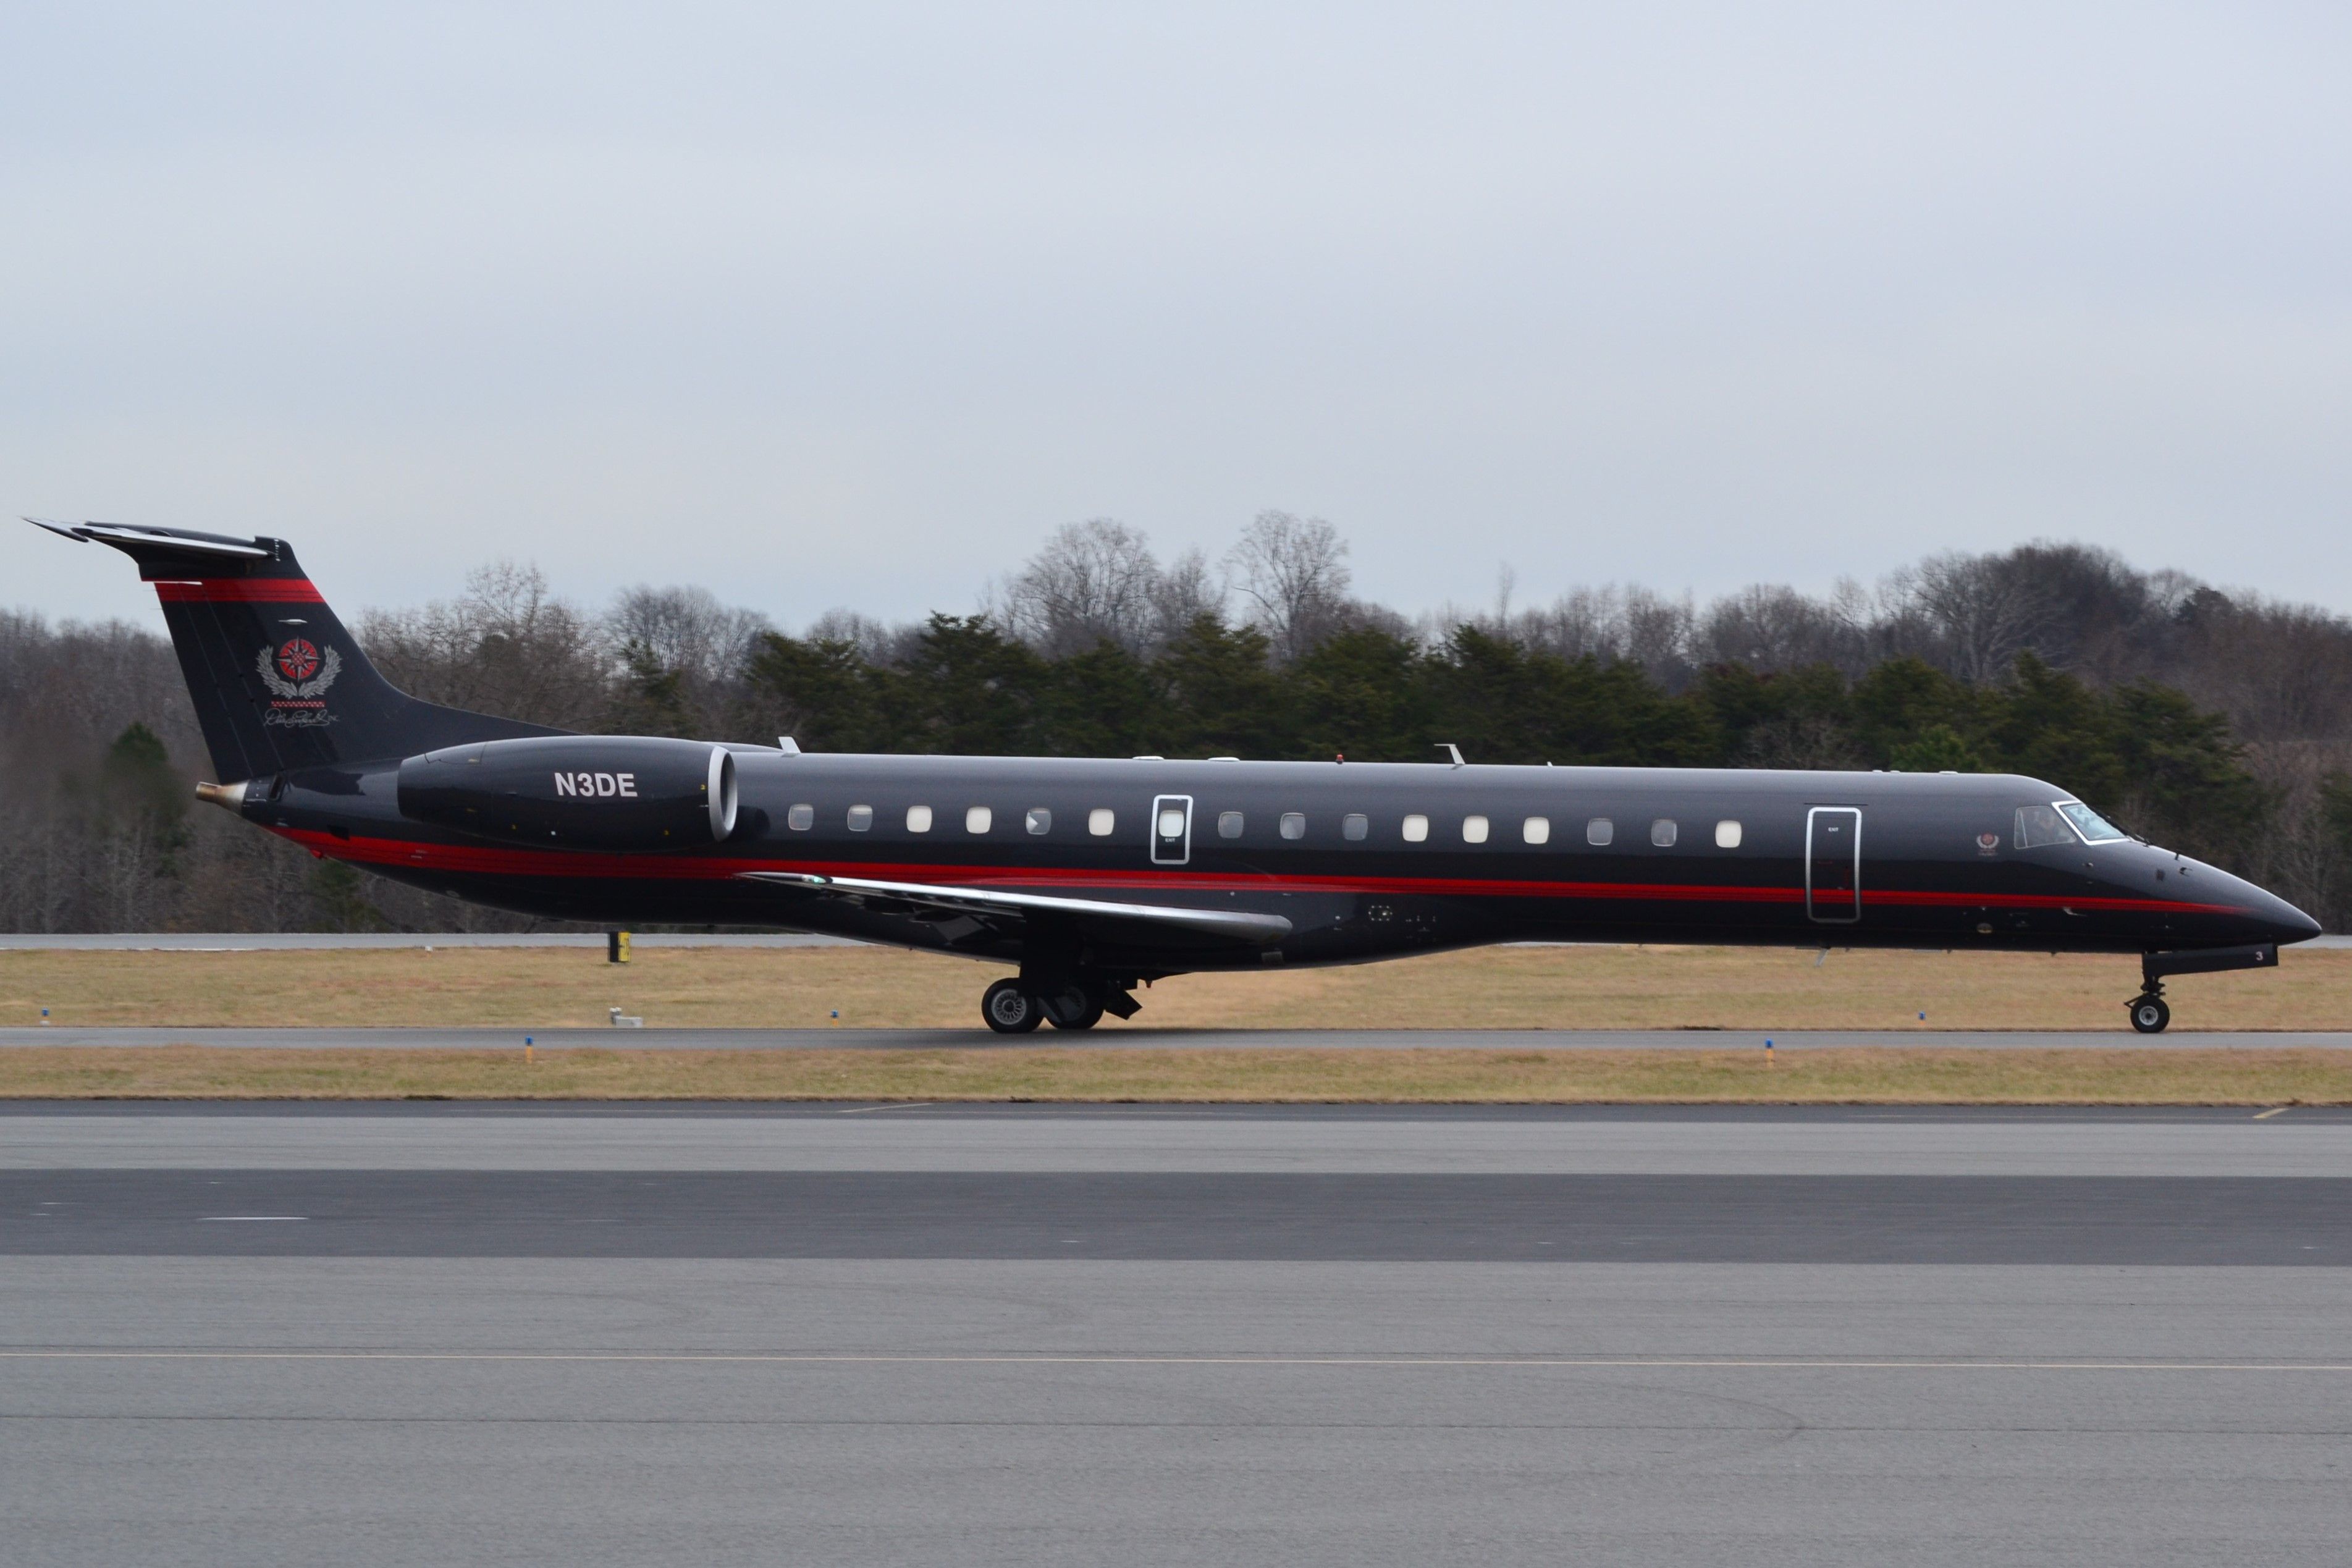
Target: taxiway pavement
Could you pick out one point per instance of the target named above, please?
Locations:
(1144, 1334)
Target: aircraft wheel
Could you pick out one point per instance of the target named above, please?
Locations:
(1009, 1009)
(2149, 1015)
(1073, 1009)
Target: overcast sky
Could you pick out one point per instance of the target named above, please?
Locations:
(853, 304)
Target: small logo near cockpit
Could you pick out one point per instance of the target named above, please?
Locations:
(1988, 842)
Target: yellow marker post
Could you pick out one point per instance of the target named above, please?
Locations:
(616, 947)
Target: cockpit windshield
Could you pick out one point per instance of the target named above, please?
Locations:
(2095, 828)
(2062, 822)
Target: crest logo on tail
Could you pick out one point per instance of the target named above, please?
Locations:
(297, 676)
(297, 660)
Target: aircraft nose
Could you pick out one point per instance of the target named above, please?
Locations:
(2274, 918)
(2292, 924)
(2257, 914)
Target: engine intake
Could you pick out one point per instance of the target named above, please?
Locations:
(577, 792)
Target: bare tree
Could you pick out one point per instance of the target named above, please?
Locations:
(1092, 582)
(1184, 594)
(687, 630)
(876, 642)
(506, 646)
(1771, 627)
(1294, 572)
(1584, 623)
(681, 657)
(1981, 614)
(1658, 636)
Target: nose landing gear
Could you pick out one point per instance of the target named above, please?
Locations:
(2148, 1012)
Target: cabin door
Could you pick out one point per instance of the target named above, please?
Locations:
(1171, 829)
(1834, 863)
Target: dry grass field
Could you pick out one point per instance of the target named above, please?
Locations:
(1514, 988)
(1871, 1075)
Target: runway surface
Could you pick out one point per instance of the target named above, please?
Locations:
(708, 1334)
(1729, 1141)
(1120, 1038)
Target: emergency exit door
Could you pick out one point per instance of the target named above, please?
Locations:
(1171, 829)
(1834, 863)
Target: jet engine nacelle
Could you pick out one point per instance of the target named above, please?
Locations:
(576, 792)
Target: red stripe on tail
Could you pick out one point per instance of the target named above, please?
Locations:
(240, 590)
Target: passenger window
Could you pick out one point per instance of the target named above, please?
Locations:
(1294, 824)
(2041, 825)
(1100, 821)
(1474, 830)
(1727, 836)
(1661, 832)
(1040, 820)
(1416, 828)
(1229, 825)
(918, 819)
(861, 817)
(977, 819)
(1354, 825)
(1600, 830)
(1172, 822)
(800, 819)
(1536, 830)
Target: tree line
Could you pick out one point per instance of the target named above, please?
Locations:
(2218, 723)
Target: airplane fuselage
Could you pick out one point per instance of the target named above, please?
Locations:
(1364, 860)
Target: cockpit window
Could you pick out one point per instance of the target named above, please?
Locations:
(2038, 826)
(2095, 828)
(2064, 822)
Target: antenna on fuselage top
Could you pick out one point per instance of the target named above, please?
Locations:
(1451, 750)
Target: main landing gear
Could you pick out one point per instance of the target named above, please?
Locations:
(1009, 1009)
(2148, 1012)
(1017, 1006)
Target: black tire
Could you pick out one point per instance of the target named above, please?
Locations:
(2149, 1015)
(1010, 1010)
(1073, 1009)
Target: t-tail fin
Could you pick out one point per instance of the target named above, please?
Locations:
(276, 681)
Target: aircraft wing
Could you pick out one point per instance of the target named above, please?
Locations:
(1240, 925)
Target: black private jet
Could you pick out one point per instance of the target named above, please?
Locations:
(1092, 877)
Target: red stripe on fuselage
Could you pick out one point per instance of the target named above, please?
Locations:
(240, 590)
(498, 861)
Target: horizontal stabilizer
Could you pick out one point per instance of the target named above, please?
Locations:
(176, 541)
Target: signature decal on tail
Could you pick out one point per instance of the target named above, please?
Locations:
(297, 676)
